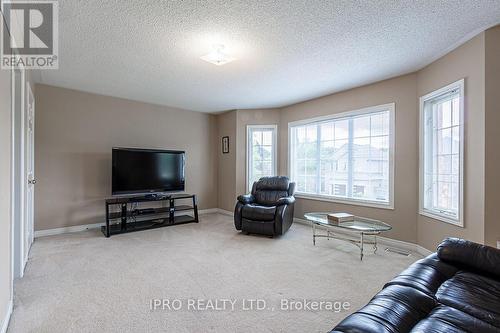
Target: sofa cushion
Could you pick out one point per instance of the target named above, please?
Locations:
(426, 275)
(450, 320)
(477, 295)
(258, 213)
(470, 255)
(394, 309)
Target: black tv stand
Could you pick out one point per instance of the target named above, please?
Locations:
(130, 219)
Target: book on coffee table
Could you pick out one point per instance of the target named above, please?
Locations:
(337, 218)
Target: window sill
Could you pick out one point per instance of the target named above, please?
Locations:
(363, 203)
(441, 218)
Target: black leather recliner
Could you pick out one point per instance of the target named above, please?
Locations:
(268, 210)
(454, 290)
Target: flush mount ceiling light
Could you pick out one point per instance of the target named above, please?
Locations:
(217, 56)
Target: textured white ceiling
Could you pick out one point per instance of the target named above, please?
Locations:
(288, 51)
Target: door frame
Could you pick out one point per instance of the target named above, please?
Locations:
(18, 172)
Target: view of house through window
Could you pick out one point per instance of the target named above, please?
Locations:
(347, 157)
(261, 152)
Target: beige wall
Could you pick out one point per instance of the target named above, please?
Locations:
(402, 92)
(227, 162)
(492, 140)
(74, 134)
(467, 61)
(5, 190)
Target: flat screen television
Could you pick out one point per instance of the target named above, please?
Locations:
(147, 171)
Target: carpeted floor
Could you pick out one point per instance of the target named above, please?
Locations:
(83, 282)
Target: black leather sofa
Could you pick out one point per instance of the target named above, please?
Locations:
(456, 289)
(268, 210)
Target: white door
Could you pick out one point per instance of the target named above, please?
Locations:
(30, 169)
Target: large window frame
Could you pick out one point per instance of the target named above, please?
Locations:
(249, 150)
(390, 107)
(453, 88)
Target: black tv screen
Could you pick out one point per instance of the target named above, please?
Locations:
(147, 170)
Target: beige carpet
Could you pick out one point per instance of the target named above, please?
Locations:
(83, 282)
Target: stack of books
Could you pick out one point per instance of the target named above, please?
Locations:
(336, 218)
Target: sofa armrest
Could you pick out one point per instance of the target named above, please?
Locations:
(246, 199)
(285, 201)
(471, 255)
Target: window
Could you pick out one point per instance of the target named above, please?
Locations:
(347, 157)
(261, 152)
(441, 154)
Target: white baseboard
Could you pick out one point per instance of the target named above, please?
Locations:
(224, 212)
(77, 228)
(65, 230)
(208, 211)
(6, 318)
(389, 242)
(422, 250)
(215, 211)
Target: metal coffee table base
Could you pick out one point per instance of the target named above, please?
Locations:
(358, 242)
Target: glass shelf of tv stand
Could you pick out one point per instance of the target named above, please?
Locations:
(142, 198)
(157, 211)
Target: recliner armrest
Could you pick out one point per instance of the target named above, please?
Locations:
(246, 199)
(285, 201)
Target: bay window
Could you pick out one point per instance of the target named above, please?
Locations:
(346, 157)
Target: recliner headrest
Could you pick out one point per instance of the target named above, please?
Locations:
(280, 183)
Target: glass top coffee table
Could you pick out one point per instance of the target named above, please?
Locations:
(361, 226)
